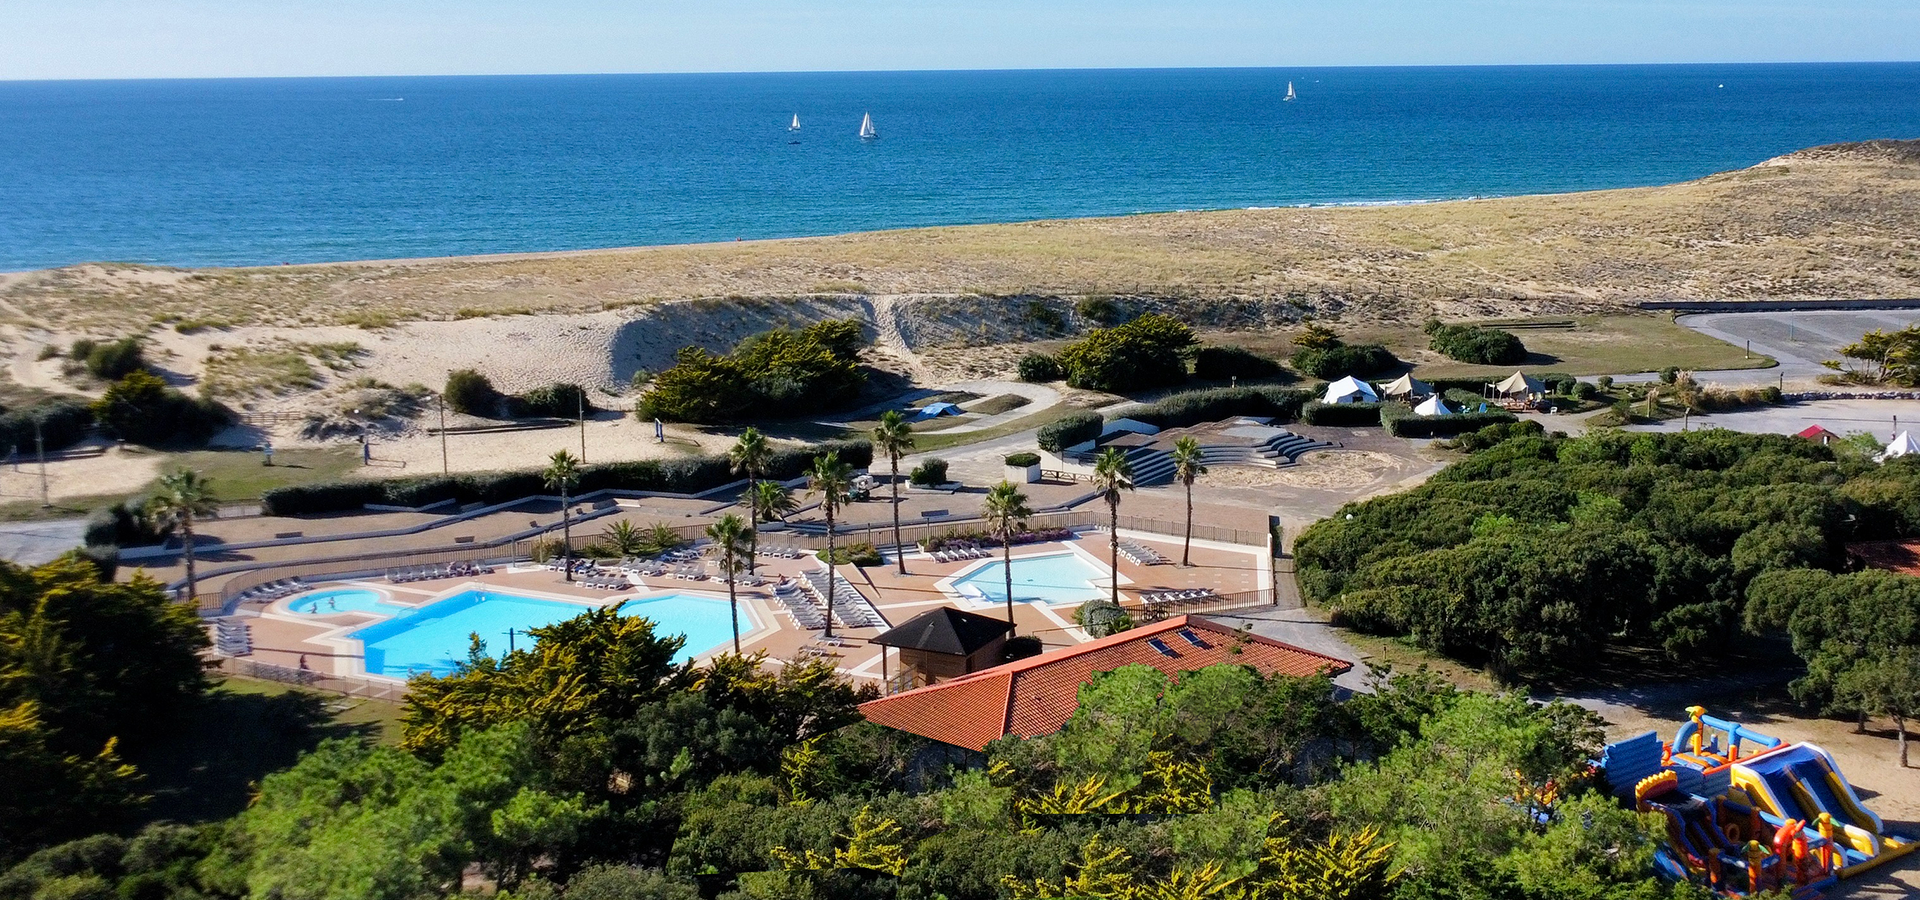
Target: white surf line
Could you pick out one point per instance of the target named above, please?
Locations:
(1071, 629)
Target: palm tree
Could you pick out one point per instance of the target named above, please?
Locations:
(183, 496)
(730, 535)
(749, 456)
(774, 500)
(1111, 475)
(894, 437)
(1188, 466)
(1006, 513)
(562, 473)
(625, 538)
(831, 479)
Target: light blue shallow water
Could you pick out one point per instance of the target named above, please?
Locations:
(263, 171)
(325, 603)
(1054, 578)
(435, 638)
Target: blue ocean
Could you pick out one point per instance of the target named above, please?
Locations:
(249, 172)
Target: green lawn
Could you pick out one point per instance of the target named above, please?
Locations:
(205, 769)
(239, 475)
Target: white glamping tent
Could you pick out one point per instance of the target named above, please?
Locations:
(1902, 445)
(1433, 406)
(1350, 390)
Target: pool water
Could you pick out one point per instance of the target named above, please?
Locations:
(326, 603)
(435, 638)
(1052, 578)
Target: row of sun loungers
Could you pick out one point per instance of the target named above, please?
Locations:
(806, 613)
(848, 603)
(1157, 599)
(783, 552)
(959, 553)
(273, 590)
(1140, 554)
(606, 583)
(428, 573)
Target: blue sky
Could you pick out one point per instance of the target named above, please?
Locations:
(194, 38)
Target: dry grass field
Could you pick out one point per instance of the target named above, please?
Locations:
(1829, 222)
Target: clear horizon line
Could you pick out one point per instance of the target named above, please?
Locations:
(608, 74)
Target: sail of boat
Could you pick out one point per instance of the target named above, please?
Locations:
(867, 131)
(796, 123)
(1290, 94)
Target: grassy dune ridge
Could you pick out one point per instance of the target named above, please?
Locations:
(1839, 221)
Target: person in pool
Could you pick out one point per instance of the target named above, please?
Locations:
(331, 604)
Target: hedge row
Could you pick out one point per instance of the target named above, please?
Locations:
(1317, 413)
(1194, 407)
(62, 424)
(1070, 429)
(1446, 426)
(684, 476)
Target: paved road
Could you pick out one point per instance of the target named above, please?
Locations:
(33, 543)
(1800, 341)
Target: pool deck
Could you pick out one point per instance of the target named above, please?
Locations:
(287, 639)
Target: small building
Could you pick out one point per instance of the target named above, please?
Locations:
(945, 643)
(1406, 387)
(1819, 435)
(1035, 696)
(1519, 386)
(1350, 390)
(1433, 406)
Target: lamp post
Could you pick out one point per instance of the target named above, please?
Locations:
(40, 447)
(445, 468)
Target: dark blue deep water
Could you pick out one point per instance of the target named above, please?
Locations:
(234, 172)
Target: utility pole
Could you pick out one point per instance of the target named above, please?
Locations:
(582, 398)
(40, 446)
(445, 469)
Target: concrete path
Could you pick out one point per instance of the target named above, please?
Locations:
(1039, 399)
(33, 543)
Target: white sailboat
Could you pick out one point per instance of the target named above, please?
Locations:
(796, 123)
(1291, 96)
(867, 131)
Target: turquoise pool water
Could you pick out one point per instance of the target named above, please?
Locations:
(434, 638)
(326, 603)
(1053, 578)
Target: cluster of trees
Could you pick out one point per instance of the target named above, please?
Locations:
(470, 392)
(1889, 357)
(89, 670)
(1150, 351)
(1321, 353)
(1538, 552)
(592, 767)
(1859, 634)
(143, 409)
(779, 374)
(1475, 344)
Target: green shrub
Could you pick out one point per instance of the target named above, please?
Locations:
(1040, 368)
(862, 554)
(1213, 404)
(124, 524)
(688, 475)
(1353, 414)
(62, 423)
(1102, 311)
(1070, 429)
(1339, 361)
(1583, 390)
(1445, 426)
(560, 400)
(1223, 363)
(1023, 460)
(1476, 344)
(775, 374)
(471, 393)
(81, 348)
(931, 473)
(1150, 351)
(115, 360)
(142, 409)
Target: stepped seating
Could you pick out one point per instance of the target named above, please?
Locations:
(232, 637)
(1152, 465)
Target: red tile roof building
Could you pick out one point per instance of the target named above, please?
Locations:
(1036, 695)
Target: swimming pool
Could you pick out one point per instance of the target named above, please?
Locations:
(1052, 578)
(326, 603)
(434, 638)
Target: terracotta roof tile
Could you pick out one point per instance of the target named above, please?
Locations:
(1035, 696)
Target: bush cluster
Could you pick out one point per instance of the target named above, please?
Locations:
(862, 554)
(1444, 426)
(930, 473)
(1023, 460)
(560, 400)
(1040, 368)
(685, 476)
(1475, 344)
(62, 423)
(142, 409)
(112, 360)
(1223, 363)
(1213, 404)
(1073, 428)
(471, 393)
(124, 524)
(1349, 414)
(775, 374)
(1359, 360)
(1150, 351)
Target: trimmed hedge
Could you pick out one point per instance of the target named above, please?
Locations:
(1317, 413)
(684, 476)
(1446, 426)
(1023, 459)
(1212, 405)
(1071, 429)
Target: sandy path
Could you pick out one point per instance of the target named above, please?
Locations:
(608, 440)
(115, 472)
